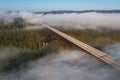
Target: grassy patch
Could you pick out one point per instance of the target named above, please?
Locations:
(95, 38)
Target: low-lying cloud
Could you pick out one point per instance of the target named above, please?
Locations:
(68, 65)
(73, 20)
(8, 17)
(113, 50)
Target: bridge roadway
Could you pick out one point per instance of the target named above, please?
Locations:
(97, 53)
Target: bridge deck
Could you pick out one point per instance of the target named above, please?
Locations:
(97, 53)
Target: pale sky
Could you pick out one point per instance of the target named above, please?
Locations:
(48, 5)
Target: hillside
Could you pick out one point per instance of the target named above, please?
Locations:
(84, 11)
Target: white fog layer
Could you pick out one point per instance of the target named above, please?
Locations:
(84, 20)
(65, 65)
(113, 50)
(68, 65)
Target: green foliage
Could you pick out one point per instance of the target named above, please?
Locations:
(14, 58)
(31, 40)
(32, 45)
(21, 39)
(95, 38)
(42, 42)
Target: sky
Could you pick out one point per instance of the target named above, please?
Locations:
(48, 5)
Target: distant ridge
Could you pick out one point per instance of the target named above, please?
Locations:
(84, 11)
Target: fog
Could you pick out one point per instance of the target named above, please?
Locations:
(113, 50)
(85, 20)
(9, 52)
(91, 20)
(67, 65)
(8, 17)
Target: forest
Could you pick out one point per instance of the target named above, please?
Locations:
(33, 44)
(30, 44)
(97, 38)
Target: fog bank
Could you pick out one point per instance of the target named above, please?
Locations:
(113, 50)
(73, 20)
(8, 17)
(68, 65)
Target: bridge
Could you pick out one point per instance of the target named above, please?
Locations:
(97, 53)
